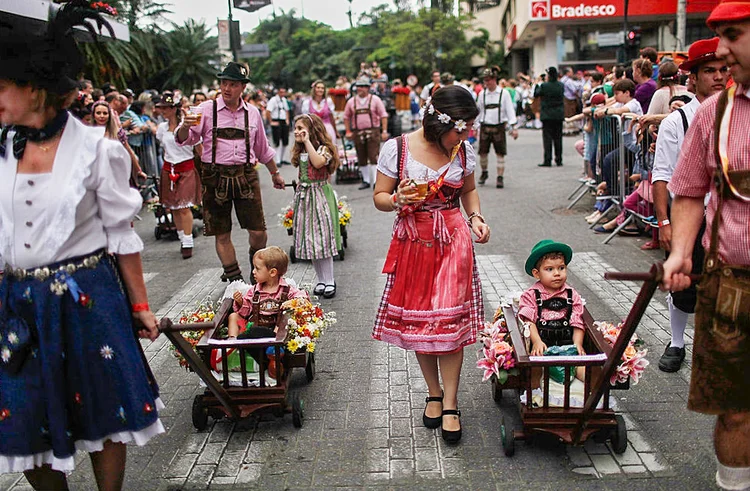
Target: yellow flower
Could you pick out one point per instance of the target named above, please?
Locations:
(311, 347)
(292, 345)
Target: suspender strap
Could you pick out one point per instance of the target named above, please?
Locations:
(369, 101)
(214, 134)
(570, 305)
(498, 106)
(539, 302)
(684, 121)
(247, 137)
(718, 179)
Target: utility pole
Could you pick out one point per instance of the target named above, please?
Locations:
(232, 41)
(681, 21)
(351, 25)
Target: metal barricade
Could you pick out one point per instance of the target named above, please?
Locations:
(610, 165)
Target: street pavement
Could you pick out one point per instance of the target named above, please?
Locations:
(363, 410)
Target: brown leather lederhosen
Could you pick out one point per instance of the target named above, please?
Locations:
(721, 348)
(263, 325)
(557, 332)
(366, 140)
(492, 134)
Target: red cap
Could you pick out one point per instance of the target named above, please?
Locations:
(597, 99)
(729, 11)
(701, 51)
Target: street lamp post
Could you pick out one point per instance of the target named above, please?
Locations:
(232, 41)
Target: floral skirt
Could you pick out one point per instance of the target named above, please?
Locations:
(84, 379)
(432, 301)
(317, 234)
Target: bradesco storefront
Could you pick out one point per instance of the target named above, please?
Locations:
(586, 33)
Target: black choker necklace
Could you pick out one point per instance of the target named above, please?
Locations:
(37, 135)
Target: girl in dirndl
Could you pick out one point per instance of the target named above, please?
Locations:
(317, 233)
(432, 303)
(72, 372)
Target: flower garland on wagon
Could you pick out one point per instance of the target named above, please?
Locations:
(634, 360)
(497, 356)
(306, 322)
(286, 217)
(203, 312)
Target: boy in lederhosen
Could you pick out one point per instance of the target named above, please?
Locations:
(552, 308)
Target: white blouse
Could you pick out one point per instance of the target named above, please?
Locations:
(84, 204)
(173, 153)
(388, 164)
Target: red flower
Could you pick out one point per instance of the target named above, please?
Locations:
(338, 92)
(401, 90)
(85, 300)
(4, 414)
(77, 398)
(148, 408)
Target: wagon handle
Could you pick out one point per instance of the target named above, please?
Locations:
(652, 275)
(651, 282)
(293, 184)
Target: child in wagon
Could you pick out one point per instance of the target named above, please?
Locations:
(551, 307)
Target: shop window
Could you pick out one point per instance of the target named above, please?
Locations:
(588, 46)
(695, 31)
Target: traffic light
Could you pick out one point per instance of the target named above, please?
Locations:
(633, 37)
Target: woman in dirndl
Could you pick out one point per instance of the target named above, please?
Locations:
(179, 186)
(72, 372)
(432, 302)
(317, 233)
(321, 106)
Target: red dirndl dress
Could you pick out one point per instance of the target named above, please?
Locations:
(432, 302)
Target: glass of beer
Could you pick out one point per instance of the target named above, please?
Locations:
(421, 183)
(195, 110)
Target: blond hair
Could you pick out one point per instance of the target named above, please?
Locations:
(273, 257)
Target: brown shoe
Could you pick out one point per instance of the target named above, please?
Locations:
(187, 252)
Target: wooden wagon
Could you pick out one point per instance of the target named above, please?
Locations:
(571, 424)
(237, 400)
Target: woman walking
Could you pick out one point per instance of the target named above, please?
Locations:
(102, 116)
(72, 372)
(432, 303)
(179, 186)
(321, 106)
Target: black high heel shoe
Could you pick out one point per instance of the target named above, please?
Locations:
(450, 436)
(432, 423)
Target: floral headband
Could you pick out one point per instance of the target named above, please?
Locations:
(445, 118)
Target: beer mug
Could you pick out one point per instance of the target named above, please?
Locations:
(195, 110)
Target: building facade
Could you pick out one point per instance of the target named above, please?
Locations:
(537, 34)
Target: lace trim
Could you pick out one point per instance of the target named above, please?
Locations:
(127, 242)
(20, 463)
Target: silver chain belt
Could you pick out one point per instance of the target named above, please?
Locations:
(44, 273)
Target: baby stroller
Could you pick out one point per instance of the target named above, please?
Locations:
(348, 172)
(165, 226)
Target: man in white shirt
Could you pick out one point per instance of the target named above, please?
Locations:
(427, 90)
(277, 114)
(496, 111)
(709, 76)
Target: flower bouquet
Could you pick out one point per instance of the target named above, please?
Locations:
(203, 312)
(497, 356)
(305, 324)
(286, 218)
(634, 360)
(345, 212)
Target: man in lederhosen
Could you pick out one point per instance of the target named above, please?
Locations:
(233, 143)
(716, 157)
(366, 122)
(496, 113)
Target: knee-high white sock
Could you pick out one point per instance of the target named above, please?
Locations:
(484, 161)
(180, 235)
(500, 164)
(373, 176)
(319, 270)
(187, 240)
(282, 149)
(326, 270)
(735, 478)
(677, 323)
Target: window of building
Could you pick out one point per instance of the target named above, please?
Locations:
(589, 46)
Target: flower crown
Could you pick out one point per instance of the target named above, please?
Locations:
(445, 118)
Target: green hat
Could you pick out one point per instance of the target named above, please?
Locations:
(234, 71)
(545, 247)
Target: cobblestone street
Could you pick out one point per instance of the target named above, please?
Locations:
(363, 410)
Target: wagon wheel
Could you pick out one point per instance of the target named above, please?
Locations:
(344, 236)
(292, 255)
(157, 232)
(310, 367)
(200, 414)
(298, 411)
(342, 254)
(619, 437)
(195, 230)
(497, 392)
(506, 435)
(338, 178)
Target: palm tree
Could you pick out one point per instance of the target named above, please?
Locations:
(190, 55)
(141, 13)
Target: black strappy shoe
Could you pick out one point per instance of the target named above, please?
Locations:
(450, 436)
(432, 423)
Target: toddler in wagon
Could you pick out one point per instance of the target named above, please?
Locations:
(551, 307)
(261, 305)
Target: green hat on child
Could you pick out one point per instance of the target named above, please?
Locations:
(545, 247)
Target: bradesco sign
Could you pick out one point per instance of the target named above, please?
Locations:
(592, 9)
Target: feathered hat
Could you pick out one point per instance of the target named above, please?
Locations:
(50, 60)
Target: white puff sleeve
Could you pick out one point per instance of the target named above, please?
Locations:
(471, 158)
(388, 159)
(118, 203)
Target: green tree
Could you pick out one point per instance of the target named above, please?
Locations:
(141, 13)
(190, 52)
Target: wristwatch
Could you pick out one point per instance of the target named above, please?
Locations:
(663, 223)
